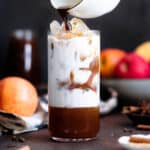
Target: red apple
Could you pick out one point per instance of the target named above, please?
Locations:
(109, 58)
(149, 69)
(132, 66)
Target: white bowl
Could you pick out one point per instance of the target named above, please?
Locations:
(130, 89)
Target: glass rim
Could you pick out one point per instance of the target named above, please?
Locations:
(85, 35)
(91, 30)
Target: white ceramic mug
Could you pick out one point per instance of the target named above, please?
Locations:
(86, 8)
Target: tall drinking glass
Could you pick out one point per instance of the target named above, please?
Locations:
(73, 86)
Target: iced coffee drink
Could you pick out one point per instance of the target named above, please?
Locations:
(73, 82)
(73, 65)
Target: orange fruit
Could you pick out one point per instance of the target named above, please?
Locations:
(109, 58)
(143, 50)
(18, 96)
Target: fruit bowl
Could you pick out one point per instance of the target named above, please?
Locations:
(130, 90)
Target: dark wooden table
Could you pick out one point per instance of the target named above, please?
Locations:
(112, 127)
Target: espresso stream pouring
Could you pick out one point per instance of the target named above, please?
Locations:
(86, 8)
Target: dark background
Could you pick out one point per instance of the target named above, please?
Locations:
(126, 27)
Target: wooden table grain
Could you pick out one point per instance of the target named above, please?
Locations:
(112, 127)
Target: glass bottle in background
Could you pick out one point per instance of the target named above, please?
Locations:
(23, 59)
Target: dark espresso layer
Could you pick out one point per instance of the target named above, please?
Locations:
(74, 122)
